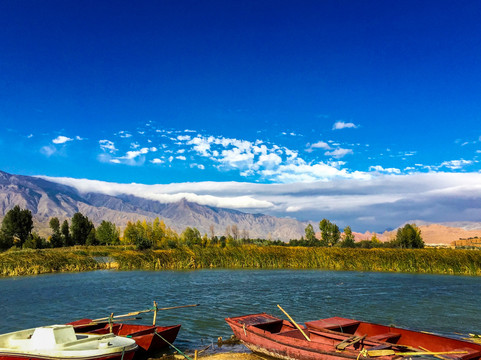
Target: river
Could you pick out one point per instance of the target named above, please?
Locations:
(437, 303)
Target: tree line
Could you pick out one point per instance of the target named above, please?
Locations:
(17, 230)
(407, 237)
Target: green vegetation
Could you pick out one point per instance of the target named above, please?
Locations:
(432, 261)
(154, 246)
(17, 226)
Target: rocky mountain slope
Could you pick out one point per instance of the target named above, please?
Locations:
(46, 199)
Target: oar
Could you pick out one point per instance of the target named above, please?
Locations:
(436, 356)
(387, 352)
(106, 321)
(145, 311)
(295, 324)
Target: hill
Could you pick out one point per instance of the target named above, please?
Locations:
(433, 234)
(46, 199)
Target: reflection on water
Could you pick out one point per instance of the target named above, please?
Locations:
(442, 304)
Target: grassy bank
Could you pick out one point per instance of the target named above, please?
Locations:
(434, 261)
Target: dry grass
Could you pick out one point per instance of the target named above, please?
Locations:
(430, 261)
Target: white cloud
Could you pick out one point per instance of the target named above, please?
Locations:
(364, 201)
(181, 157)
(269, 161)
(455, 164)
(319, 145)
(157, 161)
(61, 139)
(48, 150)
(107, 145)
(338, 125)
(380, 169)
(124, 134)
(183, 137)
(338, 153)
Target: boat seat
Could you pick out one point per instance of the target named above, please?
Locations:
(332, 323)
(18, 343)
(387, 337)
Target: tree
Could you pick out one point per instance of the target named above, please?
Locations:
(191, 236)
(107, 233)
(311, 239)
(310, 234)
(67, 240)
(56, 238)
(34, 241)
(409, 237)
(92, 237)
(348, 238)
(212, 231)
(136, 234)
(235, 232)
(17, 226)
(159, 233)
(80, 228)
(330, 233)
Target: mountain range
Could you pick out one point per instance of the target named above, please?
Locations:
(46, 199)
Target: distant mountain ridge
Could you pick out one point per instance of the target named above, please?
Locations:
(46, 199)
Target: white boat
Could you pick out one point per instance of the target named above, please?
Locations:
(61, 342)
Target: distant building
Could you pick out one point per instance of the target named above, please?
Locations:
(471, 242)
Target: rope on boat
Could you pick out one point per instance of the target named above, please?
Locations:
(123, 352)
(180, 352)
(363, 352)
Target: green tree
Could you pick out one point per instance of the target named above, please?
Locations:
(191, 236)
(65, 231)
(348, 238)
(311, 239)
(17, 226)
(330, 233)
(137, 235)
(409, 237)
(34, 241)
(310, 234)
(56, 239)
(80, 228)
(92, 237)
(107, 233)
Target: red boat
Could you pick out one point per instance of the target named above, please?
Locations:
(339, 338)
(148, 338)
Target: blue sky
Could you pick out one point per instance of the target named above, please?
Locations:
(321, 99)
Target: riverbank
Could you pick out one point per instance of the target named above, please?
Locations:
(76, 259)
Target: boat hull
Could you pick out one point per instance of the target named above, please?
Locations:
(147, 337)
(271, 336)
(127, 355)
(57, 342)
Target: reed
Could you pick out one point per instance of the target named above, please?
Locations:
(432, 261)
(34, 262)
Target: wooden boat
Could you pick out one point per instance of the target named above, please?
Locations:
(339, 338)
(149, 338)
(58, 342)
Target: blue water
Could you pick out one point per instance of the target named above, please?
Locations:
(441, 304)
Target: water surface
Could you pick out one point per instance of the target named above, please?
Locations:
(437, 303)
